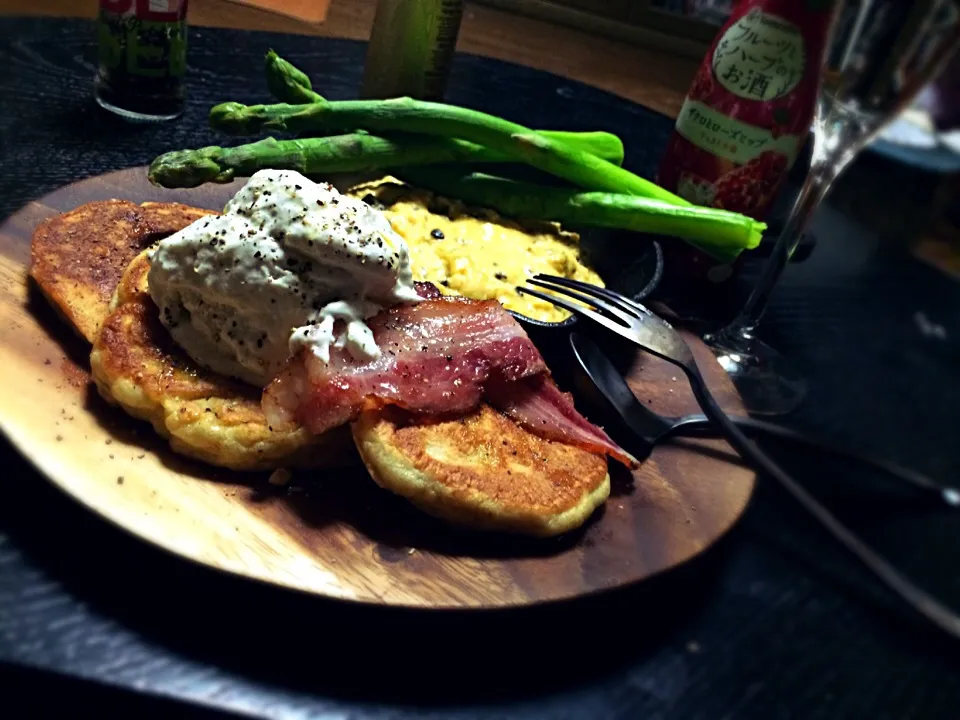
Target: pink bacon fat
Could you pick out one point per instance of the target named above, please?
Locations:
(538, 405)
(443, 355)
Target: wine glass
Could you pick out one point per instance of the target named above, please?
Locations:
(880, 55)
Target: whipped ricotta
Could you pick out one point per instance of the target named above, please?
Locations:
(289, 265)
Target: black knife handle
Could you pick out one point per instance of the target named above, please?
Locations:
(698, 425)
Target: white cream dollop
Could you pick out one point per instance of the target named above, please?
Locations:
(290, 264)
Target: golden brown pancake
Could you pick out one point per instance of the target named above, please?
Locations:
(483, 471)
(161, 219)
(77, 257)
(137, 365)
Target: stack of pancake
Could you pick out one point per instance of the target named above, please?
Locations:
(481, 470)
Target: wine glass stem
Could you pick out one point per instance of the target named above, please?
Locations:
(823, 171)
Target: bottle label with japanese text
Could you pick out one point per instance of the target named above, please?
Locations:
(749, 108)
(730, 138)
(760, 57)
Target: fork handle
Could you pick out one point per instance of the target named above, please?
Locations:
(921, 601)
(695, 424)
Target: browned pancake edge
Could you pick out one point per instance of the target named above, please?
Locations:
(137, 365)
(482, 470)
(78, 257)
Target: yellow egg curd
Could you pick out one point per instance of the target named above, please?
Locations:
(476, 253)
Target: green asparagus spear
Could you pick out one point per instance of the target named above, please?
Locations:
(720, 233)
(290, 84)
(356, 152)
(407, 115)
(604, 145)
(287, 82)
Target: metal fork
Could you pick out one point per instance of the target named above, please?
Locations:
(634, 322)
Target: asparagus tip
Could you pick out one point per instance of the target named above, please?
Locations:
(228, 114)
(187, 168)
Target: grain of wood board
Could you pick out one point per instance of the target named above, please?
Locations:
(340, 535)
(655, 79)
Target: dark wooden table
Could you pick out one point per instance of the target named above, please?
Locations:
(651, 77)
(775, 622)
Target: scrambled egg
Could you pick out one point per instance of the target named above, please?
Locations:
(477, 253)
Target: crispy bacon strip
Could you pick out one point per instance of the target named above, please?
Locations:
(435, 357)
(443, 355)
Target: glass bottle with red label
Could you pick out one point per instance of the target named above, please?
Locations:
(142, 58)
(746, 115)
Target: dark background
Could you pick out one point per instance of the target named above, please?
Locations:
(774, 622)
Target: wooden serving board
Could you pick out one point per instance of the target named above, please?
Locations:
(333, 533)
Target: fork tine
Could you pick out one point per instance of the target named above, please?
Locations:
(622, 301)
(586, 297)
(581, 311)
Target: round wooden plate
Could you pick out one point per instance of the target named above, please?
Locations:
(334, 533)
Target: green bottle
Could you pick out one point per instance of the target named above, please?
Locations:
(142, 58)
(411, 46)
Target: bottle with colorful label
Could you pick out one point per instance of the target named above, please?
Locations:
(142, 58)
(749, 110)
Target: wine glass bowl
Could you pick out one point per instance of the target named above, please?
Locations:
(881, 53)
